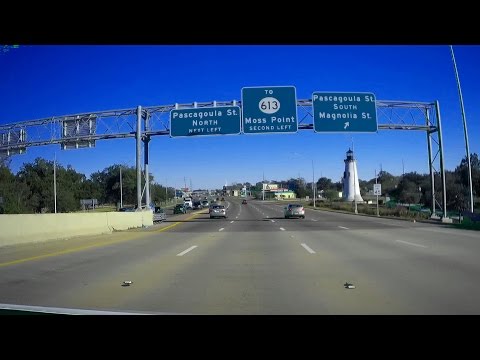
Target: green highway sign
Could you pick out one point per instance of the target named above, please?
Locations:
(270, 109)
(221, 120)
(344, 112)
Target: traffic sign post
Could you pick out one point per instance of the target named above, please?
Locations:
(270, 109)
(221, 120)
(344, 112)
(377, 190)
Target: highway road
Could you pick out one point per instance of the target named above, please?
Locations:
(253, 262)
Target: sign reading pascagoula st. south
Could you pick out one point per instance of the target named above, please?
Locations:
(270, 109)
(344, 112)
(221, 120)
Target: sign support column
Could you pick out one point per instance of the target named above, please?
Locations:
(138, 137)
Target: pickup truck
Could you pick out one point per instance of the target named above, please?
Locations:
(188, 202)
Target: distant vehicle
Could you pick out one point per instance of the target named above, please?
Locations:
(126, 209)
(244, 201)
(180, 209)
(294, 210)
(218, 211)
(223, 199)
(217, 199)
(205, 203)
(159, 214)
(188, 202)
(197, 204)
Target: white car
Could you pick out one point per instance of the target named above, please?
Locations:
(218, 211)
(294, 210)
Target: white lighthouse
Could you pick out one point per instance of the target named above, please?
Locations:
(351, 187)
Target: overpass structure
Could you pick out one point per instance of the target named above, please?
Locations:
(142, 123)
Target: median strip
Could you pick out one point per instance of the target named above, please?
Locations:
(92, 246)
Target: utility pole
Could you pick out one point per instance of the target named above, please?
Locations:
(166, 191)
(465, 131)
(55, 181)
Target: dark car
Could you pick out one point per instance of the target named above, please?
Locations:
(223, 199)
(180, 209)
(244, 201)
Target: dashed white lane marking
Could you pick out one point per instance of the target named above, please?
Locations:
(221, 229)
(272, 220)
(282, 229)
(236, 217)
(314, 220)
(185, 251)
(231, 222)
(409, 243)
(305, 246)
(343, 227)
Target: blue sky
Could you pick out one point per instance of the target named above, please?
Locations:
(42, 81)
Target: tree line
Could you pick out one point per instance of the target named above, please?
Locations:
(411, 188)
(31, 190)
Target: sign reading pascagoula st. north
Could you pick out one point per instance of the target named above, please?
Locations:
(221, 120)
(344, 112)
(270, 109)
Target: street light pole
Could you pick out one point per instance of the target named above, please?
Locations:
(313, 184)
(121, 188)
(465, 131)
(354, 180)
(55, 181)
(263, 187)
(376, 182)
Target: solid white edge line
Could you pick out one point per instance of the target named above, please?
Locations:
(409, 243)
(186, 251)
(305, 246)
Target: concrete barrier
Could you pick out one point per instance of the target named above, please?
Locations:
(27, 228)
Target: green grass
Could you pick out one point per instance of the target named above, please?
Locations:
(399, 212)
(468, 225)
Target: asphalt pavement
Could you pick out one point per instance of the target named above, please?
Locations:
(253, 262)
